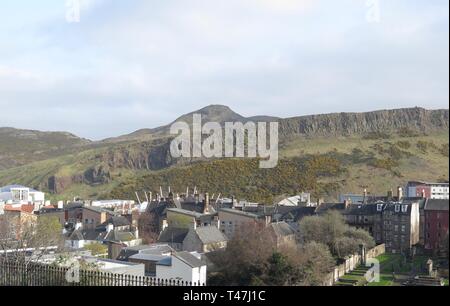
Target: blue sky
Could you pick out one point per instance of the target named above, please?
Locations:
(141, 63)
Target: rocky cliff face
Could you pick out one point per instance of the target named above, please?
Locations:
(153, 152)
(351, 124)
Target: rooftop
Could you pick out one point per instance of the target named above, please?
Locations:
(210, 234)
(9, 187)
(437, 204)
(29, 209)
(282, 229)
(186, 212)
(189, 259)
(173, 235)
(238, 212)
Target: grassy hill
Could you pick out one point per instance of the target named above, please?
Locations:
(344, 153)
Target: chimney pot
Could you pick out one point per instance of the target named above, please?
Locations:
(399, 193)
(206, 208)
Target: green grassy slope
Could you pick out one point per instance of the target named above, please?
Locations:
(379, 163)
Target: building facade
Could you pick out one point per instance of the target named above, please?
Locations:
(427, 190)
(436, 224)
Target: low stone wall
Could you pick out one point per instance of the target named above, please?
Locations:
(376, 251)
(351, 263)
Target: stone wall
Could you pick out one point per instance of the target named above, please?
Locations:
(351, 263)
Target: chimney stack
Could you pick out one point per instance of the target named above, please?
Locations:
(197, 198)
(390, 195)
(347, 203)
(206, 208)
(365, 196)
(399, 193)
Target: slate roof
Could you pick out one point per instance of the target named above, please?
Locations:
(293, 214)
(9, 187)
(118, 236)
(363, 209)
(239, 212)
(324, 207)
(173, 235)
(437, 204)
(189, 259)
(282, 229)
(117, 221)
(88, 235)
(100, 210)
(210, 234)
(186, 212)
(192, 206)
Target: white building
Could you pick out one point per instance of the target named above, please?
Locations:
(17, 194)
(296, 200)
(182, 266)
(163, 262)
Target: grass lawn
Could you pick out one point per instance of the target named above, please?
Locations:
(390, 263)
(385, 280)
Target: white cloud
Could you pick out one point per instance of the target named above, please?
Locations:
(141, 63)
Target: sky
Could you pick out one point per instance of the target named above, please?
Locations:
(135, 64)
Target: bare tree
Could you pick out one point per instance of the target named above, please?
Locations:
(331, 230)
(26, 237)
(245, 258)
(148, 227)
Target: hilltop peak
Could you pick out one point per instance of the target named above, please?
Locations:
(213, 113)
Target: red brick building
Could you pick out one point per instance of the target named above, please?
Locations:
(436, 224)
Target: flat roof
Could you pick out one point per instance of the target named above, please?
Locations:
(186, 212)
(238, 212)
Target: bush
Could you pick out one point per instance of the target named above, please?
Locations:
(386, 163)
(405, 132)
(424, 146)
(377, 136)
(444, 149)
(404, 144)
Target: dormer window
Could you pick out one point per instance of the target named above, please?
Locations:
(397, 208)
(380, 207)
(405, 208)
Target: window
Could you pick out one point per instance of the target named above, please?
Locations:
(405, 208)
(86, 221)
(379, 207)
(397, 208)
(396, 228)
(403, 228)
